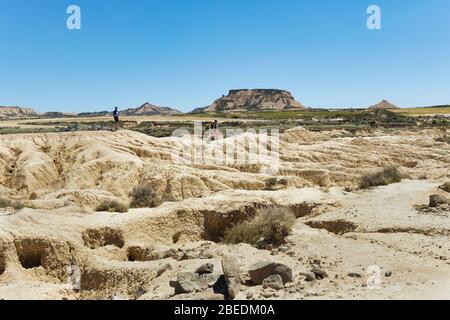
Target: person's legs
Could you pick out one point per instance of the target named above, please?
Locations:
(116, 119)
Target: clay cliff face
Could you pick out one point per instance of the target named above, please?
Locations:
(255, 100)
(16, 112)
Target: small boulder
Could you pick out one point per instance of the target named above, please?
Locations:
(445, 187)
(188, 282)
(261, 270)
(206, 268)
(185, 283)
(231, 273)
(274, 282)
(309, 276)
(319, 273)
(163, 269)
(437, 199)
(354, 275)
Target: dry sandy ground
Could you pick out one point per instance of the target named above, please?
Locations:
(345, 231)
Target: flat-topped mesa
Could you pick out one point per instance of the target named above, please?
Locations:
(262, 91)
(254, 100)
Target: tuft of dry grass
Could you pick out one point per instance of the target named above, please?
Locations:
(112, 206)
(144, 196)
(383, 177)
(271, 226)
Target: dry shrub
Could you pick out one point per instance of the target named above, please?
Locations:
(444, 139)
(381, 178)
(6, 203)
(112, 206)
(445, 186)
(271, 226)
(144, 196)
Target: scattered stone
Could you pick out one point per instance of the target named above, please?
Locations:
(163, 269)
(319, 273)
(188, 282)
(388, 274)
(249, 295)
(208, 296)
(261, 270)
(267, 294)
(185, 283)
(317, 262)
(274, 282)
(231, 273)
(140, 292)
(437, 199)
(171, 253)
(206, 268)
(445, 187)
(354, 275)
(202, 296)
(310, 276)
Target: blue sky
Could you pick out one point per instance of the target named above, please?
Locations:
(186, 53)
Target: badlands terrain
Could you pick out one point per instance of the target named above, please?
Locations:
(343, 235)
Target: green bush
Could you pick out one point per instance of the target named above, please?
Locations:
(381, 178)
(144, 196)
(271, 226)
(112, 206)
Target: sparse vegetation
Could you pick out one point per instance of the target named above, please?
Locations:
(144, 196)
(381, 178)
(6, 203)
(112, 206)
(273, 183)
(443, 139)
(271, 226)
(445, 186)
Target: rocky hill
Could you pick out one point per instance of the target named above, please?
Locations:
(385, 105)
(149, 109)
(16, 112)
(253, 100)
(146, 109)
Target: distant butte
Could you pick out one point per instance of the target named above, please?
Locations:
(239, 100)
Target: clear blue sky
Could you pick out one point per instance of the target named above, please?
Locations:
(186, 53)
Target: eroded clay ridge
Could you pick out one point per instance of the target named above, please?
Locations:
(86, 168)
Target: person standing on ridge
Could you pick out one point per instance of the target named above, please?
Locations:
(116, 118)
